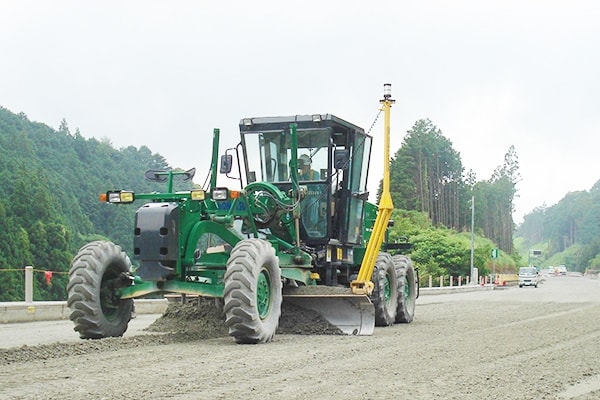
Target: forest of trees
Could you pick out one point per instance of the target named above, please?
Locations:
(572, 227)
(427, 175)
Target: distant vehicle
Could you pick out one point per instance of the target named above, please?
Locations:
(548, 271)
(561, 269)
(528, 276)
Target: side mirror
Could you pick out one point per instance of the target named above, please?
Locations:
(189, 174)
(226, 163)
(156, 175)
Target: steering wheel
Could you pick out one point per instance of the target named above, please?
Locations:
(265, 199)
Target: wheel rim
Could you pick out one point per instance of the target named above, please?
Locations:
(406, 289)
(387, 290)
(263, 294)
(108, 301)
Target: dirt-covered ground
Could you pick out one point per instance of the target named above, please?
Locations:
(514, 343)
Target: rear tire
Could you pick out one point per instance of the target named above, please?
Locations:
(97, 271)
(407, 288)
(385, 291)
(252, 293)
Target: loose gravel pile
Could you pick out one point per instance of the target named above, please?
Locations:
(204, 319)
(58, 350)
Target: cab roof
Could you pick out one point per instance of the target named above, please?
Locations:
(314, 121)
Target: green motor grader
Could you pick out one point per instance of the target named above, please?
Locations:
(295, 226)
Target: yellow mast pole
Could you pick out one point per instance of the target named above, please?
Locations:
(363, 284)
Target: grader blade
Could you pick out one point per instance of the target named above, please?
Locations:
(352, 314)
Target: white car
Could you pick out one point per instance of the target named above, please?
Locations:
(528, 276)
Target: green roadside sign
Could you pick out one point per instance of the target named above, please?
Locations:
(494, 253)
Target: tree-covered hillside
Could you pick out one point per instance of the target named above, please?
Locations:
(49, 203)
(566, 233)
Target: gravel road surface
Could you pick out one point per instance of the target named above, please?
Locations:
(512, 343)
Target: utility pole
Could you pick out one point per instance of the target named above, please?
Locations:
(472, 237)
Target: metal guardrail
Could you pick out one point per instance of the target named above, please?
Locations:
(57, 310)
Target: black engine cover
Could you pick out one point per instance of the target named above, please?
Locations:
(155, 240)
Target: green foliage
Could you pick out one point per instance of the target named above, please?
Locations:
(594, 263)
(568, 230)
(408, 223)
(49, 203)
(442, 251)
(439, 253)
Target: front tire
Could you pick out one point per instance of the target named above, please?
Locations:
(385, 291)
(252, 292)
(97, 271)
(407, 294)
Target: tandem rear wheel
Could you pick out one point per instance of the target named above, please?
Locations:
(407, 284)
(394, 292)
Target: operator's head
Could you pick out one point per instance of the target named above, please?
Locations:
(304, 162)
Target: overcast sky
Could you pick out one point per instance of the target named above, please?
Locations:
(488, 74)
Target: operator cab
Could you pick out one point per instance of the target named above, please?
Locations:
(333, 159)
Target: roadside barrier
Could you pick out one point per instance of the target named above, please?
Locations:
(445, 281)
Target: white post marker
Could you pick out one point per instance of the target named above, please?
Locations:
(28, 284)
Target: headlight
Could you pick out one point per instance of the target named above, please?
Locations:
(118, 197)
(219, 194)
(198, 195)
(127, 197)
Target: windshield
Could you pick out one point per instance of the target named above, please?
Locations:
(269, 154)
(527, 271)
